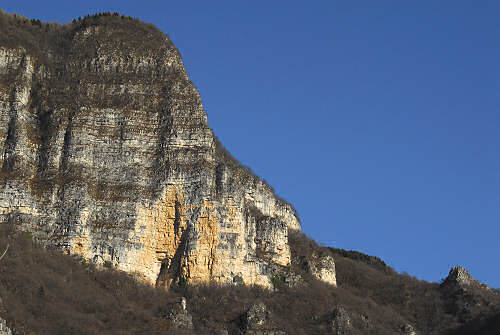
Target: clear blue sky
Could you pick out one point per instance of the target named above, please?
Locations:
(378, 120)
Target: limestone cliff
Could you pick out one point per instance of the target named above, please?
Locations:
(106, 152)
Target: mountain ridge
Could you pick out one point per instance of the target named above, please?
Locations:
(107, 155)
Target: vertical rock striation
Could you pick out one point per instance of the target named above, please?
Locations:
(106, 152)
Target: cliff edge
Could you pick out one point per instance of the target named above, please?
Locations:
(106, 152)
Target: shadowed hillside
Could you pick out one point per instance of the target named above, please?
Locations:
(46, 292)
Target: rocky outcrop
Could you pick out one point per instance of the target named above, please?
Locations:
(323, 268)
(106, 152)
(340, 321)
(309, 261)
(465, 296)
(460, 278)
(257, 321)
(4, 330)
(408, 329)
(179, 316)
(320, 266)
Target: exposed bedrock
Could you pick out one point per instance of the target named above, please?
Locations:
(106, 152)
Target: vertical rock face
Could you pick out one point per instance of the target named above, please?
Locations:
(106, 152)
